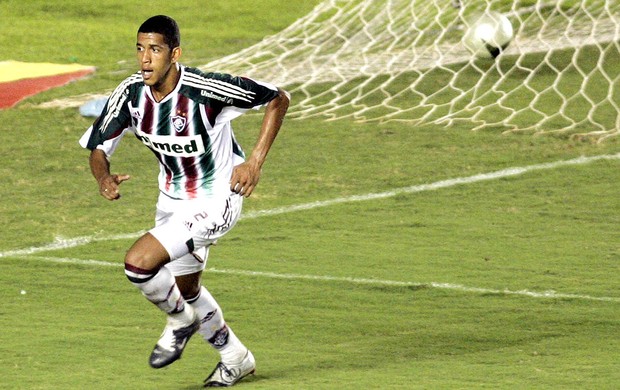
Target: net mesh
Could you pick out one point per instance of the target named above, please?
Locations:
(404, 60)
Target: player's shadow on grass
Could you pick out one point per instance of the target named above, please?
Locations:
(247, 380)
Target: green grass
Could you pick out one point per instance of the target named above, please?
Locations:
(81, 326)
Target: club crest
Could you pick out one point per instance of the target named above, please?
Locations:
(178, 122)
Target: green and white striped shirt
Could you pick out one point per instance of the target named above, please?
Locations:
(189, 131)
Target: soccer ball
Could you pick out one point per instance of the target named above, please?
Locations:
(488, 35)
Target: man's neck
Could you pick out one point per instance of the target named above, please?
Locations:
(172, 78)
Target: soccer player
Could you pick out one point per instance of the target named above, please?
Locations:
(183, 115)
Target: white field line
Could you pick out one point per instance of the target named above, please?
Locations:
(339, 279)
(63, 243)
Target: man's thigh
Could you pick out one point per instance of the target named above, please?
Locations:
(184, 227)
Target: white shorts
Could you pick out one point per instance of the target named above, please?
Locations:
(186, 228)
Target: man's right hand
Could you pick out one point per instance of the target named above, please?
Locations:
(108, 186)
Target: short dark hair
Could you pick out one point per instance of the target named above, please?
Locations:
(164, 25)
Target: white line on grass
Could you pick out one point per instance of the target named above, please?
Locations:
(62, 243)
(340, 279)
(65, 243)
(432, 186)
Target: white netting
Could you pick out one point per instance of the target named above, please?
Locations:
(404, 60)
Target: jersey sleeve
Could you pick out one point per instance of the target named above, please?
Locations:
(108, 146)
(229, 90)
(109, 127)
(259, 93)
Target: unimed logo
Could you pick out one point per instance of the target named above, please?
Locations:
(188, 146)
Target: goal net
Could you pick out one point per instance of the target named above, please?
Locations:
(404, 60)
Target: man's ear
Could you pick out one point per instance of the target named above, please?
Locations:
(176, 54)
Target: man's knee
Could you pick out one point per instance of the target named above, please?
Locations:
(147, 254)
(142, 260)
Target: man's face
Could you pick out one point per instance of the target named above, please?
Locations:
(155, 58)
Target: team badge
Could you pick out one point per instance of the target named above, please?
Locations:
(178, 122)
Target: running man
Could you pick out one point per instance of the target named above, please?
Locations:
(183, 115)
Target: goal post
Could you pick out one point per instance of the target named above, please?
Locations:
(404, 60)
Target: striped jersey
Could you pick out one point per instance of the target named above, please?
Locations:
(189, 131)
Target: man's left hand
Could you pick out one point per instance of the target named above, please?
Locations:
(244, 179)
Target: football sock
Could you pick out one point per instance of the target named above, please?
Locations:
(160, 288)
(233, 351)
(214, 330)
(208, 311)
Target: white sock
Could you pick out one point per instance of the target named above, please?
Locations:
(161, 289)
(214, 330)
(233, 351)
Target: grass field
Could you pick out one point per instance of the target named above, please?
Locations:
(370, 256)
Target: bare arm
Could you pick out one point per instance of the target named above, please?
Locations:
(245, 176)
(108, 183)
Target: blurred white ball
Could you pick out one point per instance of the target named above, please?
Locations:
(488, 35)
